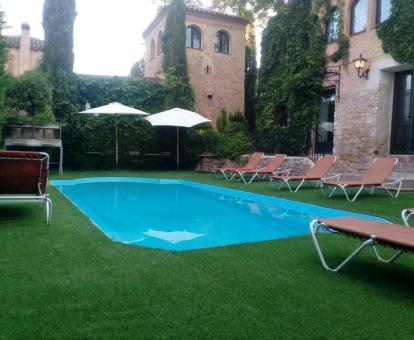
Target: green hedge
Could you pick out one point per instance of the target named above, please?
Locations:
(89, 141)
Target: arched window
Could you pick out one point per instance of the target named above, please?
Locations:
(159, 42)
(332, 28)
(359, 16)
(383, 10)
(222, 44)
(193, 38)
(152, 50)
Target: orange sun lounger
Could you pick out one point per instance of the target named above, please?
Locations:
(269, 170)
(375, 177)
(23, 178)
(372, 233)
(315, 174)
(230, 173)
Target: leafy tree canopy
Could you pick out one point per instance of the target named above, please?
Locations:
(58, 21)
(137, 70)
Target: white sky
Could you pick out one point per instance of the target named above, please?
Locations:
(108, 33)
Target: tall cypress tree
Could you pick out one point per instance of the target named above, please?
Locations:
(250, 78)
(58, 22)
(179, 91)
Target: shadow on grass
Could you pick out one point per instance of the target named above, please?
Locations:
(14, 215)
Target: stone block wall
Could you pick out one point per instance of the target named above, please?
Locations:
(363, 114)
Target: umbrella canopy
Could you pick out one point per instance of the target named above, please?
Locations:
(115, 109)
(179, 118)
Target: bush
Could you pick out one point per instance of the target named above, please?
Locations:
(28, 99)
(229, 142)
(89, 142)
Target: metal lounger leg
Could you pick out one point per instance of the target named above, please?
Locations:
(343, 188)
(218, 173)
(300, 184)
(389, 260)
(314, 228)
(406, 215)
(49, 205)
(253, 177)
(285, 181)
(389, 191)
(225, 176)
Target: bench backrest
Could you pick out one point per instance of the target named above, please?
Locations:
(322, 167)
(379, 170)
(23, 172)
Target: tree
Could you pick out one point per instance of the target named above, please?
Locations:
(250, 81)
(291, 72)
(137, 70)
(30, 93)
(58, 21)
(252, 9)
(179, 91)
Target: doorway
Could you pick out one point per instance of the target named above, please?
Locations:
(325, 131)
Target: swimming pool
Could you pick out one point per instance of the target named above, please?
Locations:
(184, 215)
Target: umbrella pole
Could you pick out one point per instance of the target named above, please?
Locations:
(116, 142)
(178, 148)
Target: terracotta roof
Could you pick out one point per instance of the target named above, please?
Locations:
(14, 42)
(196, 11)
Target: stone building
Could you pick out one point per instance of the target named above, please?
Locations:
(215, 45)
(24, 52)
(368, 112)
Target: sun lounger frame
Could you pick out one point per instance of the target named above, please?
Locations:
(316, 226)
(313, 181)
(260, 173)
(230, 173)
(42, 198)
(369, 188)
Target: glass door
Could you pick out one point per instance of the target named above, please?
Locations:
(325, 131)
(402, 139)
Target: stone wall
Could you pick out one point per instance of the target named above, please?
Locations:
(362, 127)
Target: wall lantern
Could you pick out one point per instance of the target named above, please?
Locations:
(360, 63)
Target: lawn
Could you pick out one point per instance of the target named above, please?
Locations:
(68, 280)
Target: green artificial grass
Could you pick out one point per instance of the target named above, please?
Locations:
(68, 280)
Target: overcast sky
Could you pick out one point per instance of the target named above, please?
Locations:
(108, 33)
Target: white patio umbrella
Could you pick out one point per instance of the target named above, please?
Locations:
(115, 109)
(178, 118)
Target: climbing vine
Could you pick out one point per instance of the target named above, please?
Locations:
(293, 66)
(397, 32)
(342, 52)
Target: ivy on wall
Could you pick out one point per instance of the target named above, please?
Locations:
(397, 33)
(293, 66)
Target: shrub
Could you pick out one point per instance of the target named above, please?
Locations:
(83, 134)
(29, 99)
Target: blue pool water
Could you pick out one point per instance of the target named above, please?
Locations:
(183, 215)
